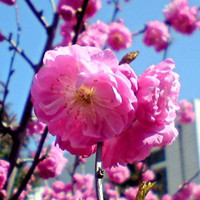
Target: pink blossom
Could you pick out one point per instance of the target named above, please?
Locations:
(111, 191)
(181, 17)
(196, 192)
(68, 14)
(158, 94)
(83, 96)
(35, 127)
(166, 197)
(118, 174)
(119, 36)
(58, 186)
(92, 8)
(131, 193)
(141, 166)
(53, 165)
(82, 160)
(96, 35)
(185, 193)
(3, 194)
(8, 2)
(151, 196)
(83, 181)
(157, 35)
(47, 193)
(4, 167)
(75, 4)
(67, 33)
(155, 114)
(1, 37)
(186, 113)
(148, 175)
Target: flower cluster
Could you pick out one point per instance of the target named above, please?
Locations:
(53, 165)
(86, 97)
(81, 188)
(186, 113)
(156, 34)
(4, 167)
(35, 127)
(182, 17)
(68, 11)
(118, 174)
(8, 2)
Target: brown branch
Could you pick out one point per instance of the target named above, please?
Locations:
(11, 70)
(116, 10)
(33, 166)
(75, 165)
(79, 22)
(15, 47)
(38, 15)
(20, 132)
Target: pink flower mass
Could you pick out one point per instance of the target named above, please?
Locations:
(8, 2)
(157, 94)
(53, 165)
(157, 35)
(182, 17)
(118, 174)
(119, 36)
(186, 113)
(85, 97)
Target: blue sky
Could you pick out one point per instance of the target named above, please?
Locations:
(185, 50)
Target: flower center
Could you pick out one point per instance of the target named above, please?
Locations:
(84, 95)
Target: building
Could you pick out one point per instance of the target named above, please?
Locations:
(180, 161)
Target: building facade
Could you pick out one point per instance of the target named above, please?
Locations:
(180, 161)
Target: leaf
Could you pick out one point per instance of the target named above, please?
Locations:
(129, 57)
(144, 189)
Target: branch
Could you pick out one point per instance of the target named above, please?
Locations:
(33, 166)
(116, 10)
(38, 15)
(49, 44)
(99, 173)
(139, 32)
(53, 6)
(188, 181)
(75, 165)
(79, 22)
(11, 70)
(20, 132)
(20, 51)
(166, 50)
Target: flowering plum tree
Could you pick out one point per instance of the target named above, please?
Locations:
(93, 103)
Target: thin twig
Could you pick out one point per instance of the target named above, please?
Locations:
(116, 10)
(20, 132)
(79, 22)
(20, 52)
(49, 44)
(75, 165)
(188, 181)
(167, 49)
(99, 172)
(139, 32)
(33, 166)
(11, 70)
(38, 15)
(53, 6)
